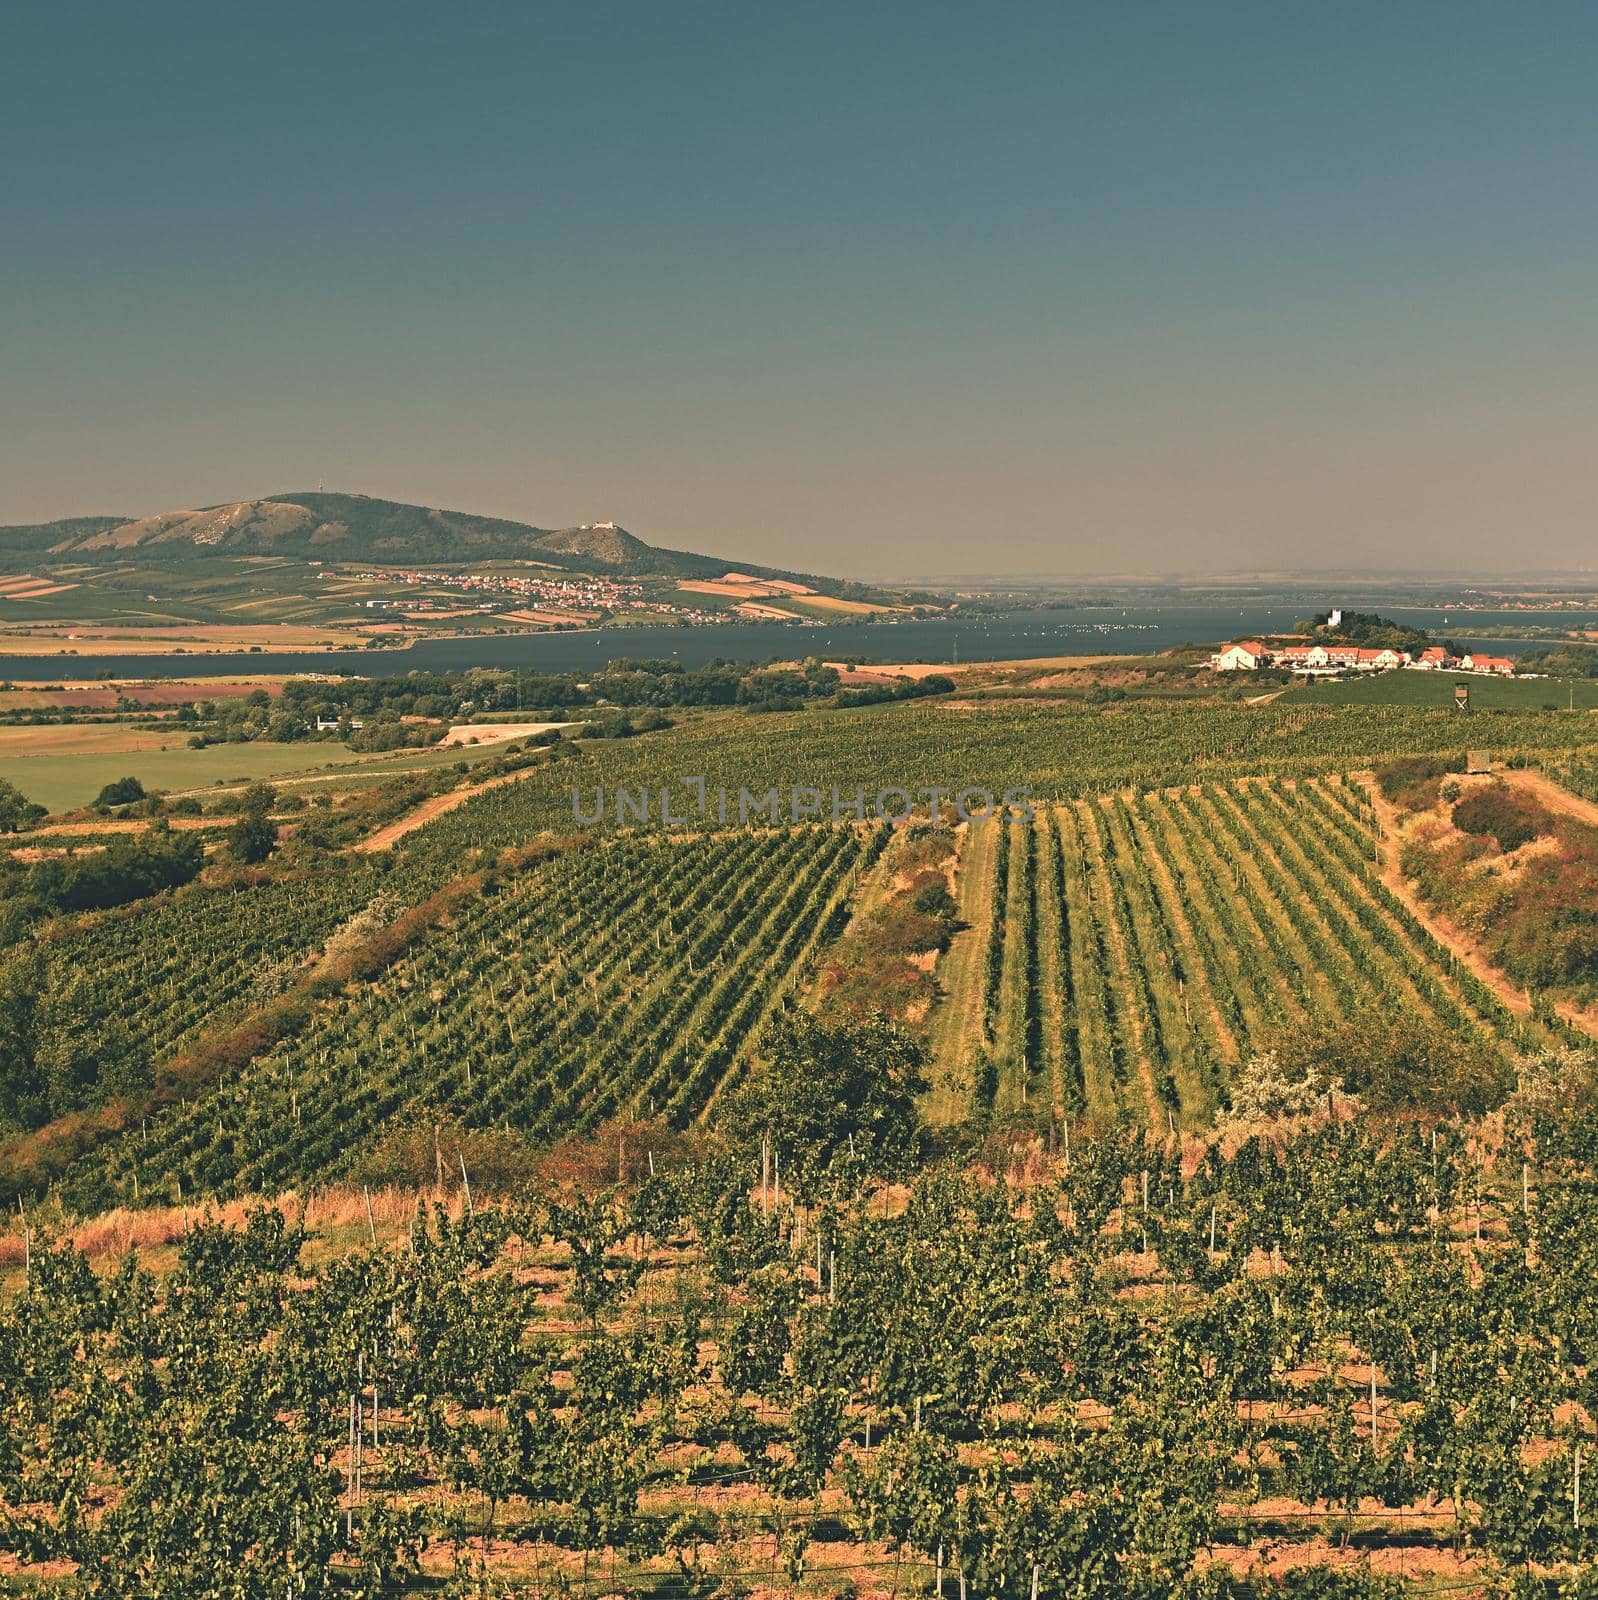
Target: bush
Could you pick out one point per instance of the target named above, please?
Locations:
(124, 871)
(424, 1152)
(1505, 815)
(17, 811)
(122, 792)
(1414, 782)
(1403, 1061)
(252, 838)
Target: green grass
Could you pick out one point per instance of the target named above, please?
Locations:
(1437, 689)
(63, 782)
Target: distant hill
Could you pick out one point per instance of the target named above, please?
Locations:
(28, 537)
(356, 527)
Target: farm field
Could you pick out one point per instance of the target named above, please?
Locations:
(90, 757)
(66, 766)
(1056, 751)
(643, 1349)
(1119, 958)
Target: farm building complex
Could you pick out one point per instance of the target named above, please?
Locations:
(1302, 655)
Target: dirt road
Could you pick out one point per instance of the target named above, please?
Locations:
(437, 806)
(1555, 798)
(1454, 939)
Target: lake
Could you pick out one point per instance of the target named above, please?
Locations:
(1056, 632)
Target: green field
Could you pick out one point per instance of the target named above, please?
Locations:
(64, 782)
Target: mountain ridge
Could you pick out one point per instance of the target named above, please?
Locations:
(336, 526)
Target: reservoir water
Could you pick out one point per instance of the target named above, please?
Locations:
(1056, 632)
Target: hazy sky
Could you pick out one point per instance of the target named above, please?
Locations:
(869, 288)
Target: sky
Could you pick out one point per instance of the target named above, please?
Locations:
(878, 290)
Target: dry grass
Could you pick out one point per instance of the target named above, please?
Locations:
(324, 1213)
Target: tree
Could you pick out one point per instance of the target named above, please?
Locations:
(253, 838)
(120, 792)
(17, 811)
(257, 800)
(827, 1093)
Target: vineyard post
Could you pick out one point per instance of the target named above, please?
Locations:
(371, 1226)
(1373, 1405)
(1576, 1495)
(832, 1277)
(1065, 1129)
(1034, 1581)
(1525, 1189)
(349, 1486)
(1212, 1228)
(466, 1184)
(940, 1573)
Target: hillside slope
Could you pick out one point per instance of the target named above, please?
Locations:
(355, 527)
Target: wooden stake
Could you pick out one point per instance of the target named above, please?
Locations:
(467, 1186)
(371, 1225)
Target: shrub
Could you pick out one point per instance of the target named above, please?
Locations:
(1403, 1061)
(121, 792)
(423, 1151)
(1414, 782)
(1505, 815)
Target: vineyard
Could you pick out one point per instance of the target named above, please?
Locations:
(1316, 1365)
(1059, 752)
(1137, 947)
(1123, 954)
(628, 977)
(1109, 1342)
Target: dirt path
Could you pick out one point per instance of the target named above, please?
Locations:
(1446, 933)
(437, 806)
(1265, 699)
(1551, 794)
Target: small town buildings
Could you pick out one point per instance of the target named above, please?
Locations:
(1313, 658)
